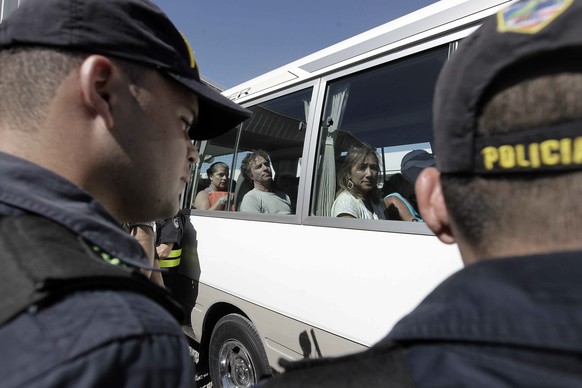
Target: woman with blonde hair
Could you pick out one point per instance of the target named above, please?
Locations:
(358, 195)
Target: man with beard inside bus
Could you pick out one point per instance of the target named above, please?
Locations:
(264, 197)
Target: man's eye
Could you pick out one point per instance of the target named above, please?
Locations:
(186, 125)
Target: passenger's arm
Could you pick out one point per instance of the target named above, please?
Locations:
(401, 206)
(345, 206)
(202, 201)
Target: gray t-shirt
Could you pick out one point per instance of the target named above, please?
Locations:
(271, 202)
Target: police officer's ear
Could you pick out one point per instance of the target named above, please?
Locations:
(97, 79)
(431, 204)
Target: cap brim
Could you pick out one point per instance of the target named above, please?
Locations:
(415, 165)
(218, 114)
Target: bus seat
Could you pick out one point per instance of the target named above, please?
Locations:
(242, 187)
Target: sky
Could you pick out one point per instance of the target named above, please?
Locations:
(236, 40)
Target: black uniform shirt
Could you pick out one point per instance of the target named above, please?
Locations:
(27, 187)
(512, 322)
(101, 338)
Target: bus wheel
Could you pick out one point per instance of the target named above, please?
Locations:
(236, 356)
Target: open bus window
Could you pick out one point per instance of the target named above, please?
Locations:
(388, 107)
(277, 127)
(216, 152)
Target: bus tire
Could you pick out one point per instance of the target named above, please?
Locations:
(236, 356)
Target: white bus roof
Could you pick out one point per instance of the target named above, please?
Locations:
(442, 17)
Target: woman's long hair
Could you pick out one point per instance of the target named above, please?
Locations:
(357, 154)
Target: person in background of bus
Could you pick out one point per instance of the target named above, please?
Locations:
(506, 188)
(169, 234)
(358, 195)
(398, 208)
(98, 101)
(398, 191)
(264, 197)
(169, 251)
(145, 234)
(215, 196)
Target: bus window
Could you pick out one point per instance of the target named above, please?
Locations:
(388, 107)
(277, 127)
(220, 149)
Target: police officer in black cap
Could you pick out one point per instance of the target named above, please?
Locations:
(506, 188)
(99, 103)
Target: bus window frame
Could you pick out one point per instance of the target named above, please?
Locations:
(319, 84)
(291, 218)
(375, 225)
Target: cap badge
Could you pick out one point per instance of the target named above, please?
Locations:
(529, 17)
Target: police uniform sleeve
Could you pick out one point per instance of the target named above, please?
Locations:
(171, 230)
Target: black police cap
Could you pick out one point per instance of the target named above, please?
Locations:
(135, 30)
(526, 39)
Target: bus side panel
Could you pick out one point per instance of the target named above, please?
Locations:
(283, 337)
(350, 283)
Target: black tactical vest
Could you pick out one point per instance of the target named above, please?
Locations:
(42, 261)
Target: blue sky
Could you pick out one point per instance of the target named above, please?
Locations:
(236, 40)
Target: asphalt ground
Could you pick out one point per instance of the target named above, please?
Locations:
(202, 381)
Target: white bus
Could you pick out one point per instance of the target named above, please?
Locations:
(267, 288)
